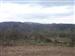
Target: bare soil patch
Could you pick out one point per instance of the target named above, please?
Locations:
(33, 50)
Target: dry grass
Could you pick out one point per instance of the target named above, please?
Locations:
(31, 50)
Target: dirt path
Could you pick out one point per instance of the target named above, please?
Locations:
(36, 51)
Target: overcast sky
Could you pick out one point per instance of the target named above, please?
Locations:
(41, 11)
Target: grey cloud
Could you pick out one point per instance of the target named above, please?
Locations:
(42, 16)
(42, 2)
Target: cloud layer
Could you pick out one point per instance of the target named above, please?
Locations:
(28, 12)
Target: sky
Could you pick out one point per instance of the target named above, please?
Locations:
(39, 11)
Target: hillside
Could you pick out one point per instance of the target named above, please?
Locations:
(13, 33)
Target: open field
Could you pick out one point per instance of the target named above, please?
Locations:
(31, 50)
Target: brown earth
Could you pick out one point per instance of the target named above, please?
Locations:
(32, 50)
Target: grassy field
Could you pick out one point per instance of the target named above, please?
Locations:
(33, 50)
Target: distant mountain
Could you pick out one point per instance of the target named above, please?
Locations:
(29, 26)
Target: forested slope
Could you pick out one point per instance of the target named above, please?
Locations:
(17, 33)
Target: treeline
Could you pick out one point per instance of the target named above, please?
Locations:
(12, 34)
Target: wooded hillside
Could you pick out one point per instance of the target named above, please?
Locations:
(17, 33)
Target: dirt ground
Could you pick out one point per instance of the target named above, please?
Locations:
(31, 50)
